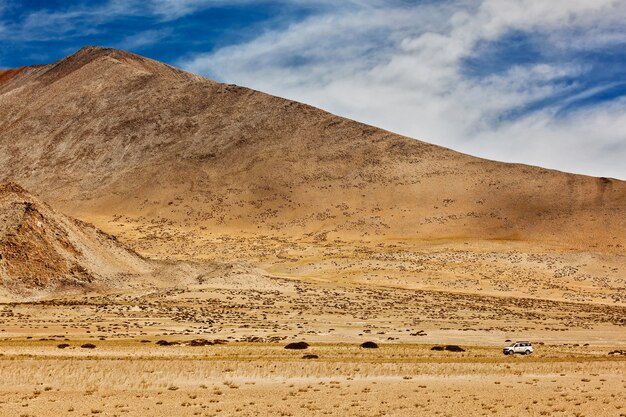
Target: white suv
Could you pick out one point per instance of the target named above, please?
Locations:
(525, 348)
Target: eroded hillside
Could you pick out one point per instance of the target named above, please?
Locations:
(42, 250)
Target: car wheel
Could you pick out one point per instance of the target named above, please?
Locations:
(527, 352)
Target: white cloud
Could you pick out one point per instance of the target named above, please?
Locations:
(46, 24)
(399, 66)
(144, 38)
(85, 18)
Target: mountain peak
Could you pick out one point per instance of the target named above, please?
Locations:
(94, 48)
(98, 58)
(91, 54)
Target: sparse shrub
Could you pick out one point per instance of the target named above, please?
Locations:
(454, 348)
(297, 345)
(200, 342)
(166, 343)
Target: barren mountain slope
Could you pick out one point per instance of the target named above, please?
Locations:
(41, 250)
(6, 75)
(105, 134)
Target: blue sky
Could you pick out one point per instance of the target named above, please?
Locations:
(47, 30)
(525, 81)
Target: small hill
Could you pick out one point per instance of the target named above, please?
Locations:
(43, 251)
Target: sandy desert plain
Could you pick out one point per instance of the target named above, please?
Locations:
(163, 237)
(228, 355)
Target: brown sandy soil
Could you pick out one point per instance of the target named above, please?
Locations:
(487, 267)
(254, 315)
(235, 304)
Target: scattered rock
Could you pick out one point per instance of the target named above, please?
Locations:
(438, 348)
(310, 357)
(88, 346)
(369, 345)
(63, 345)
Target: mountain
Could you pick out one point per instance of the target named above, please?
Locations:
(42, 250)
(126, 142)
